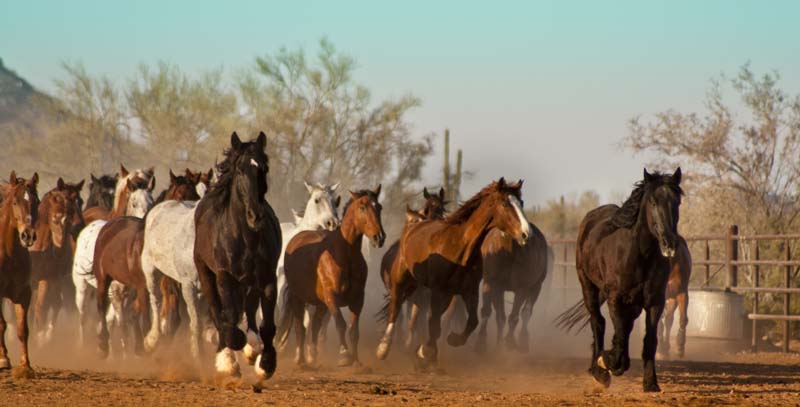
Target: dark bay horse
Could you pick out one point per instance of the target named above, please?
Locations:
(326, 269)
(101, 192)
(623, 258)
(17, 233)
(507, 266)
(51, 255)
(677, 298)
(434, 208)
(236, 251)
(443, 255)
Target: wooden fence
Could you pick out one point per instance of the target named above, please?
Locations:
(732, 263)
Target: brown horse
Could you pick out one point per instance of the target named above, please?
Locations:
(117, 257)
(137, 181)
(434, 208)
(326, 269)
(17, 233)
(677, 298)
(51, 255)
(443, 255)
(508, 266)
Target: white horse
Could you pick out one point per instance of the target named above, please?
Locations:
(138, 202)
(169, 250)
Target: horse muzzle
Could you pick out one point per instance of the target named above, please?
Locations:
(378, 240)
(522, 240)
(27, 237)
(331, 224)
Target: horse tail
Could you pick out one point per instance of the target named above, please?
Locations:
(285, 321)
(575, 315)
(382, 316)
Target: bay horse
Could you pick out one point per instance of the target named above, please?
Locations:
(443, 255)
(236, 251)
(507, 266)
(18, 213)
(327, 269)
(118, 256)
(434, 208)
(623, 258)
(51, 255)
(132, 197)
(677, 298)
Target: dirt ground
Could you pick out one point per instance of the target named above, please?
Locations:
(539, 379)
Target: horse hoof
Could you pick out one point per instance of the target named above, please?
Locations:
(264, 368)
(601, 363)
(383, 350)
(23, 372)
(225, 363)
(455, 340)
(150, 342)
(252, 349)
(345, 359)
(652, 388)
(5, 364)
(601, 376)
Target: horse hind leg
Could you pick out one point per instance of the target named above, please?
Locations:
(683, 309)
(354, 331)
(4, 362)
(486, 313)
(664, 329)
(103, 282)
(470, 297)
(411, 321)
(523, 344)
(266, 362)
(40, 312)
(428, 353)
(592, 302)
(317, 320)
(513, 320)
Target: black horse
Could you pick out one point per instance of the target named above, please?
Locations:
(236, 252)
(101, 192)
(623, 258)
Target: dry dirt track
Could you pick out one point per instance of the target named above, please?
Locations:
(764, 379)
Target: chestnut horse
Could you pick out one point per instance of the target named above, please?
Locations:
(118, 256)
(51, 255)
(623, 258)
(443, 255)
(508, 266)
(236, 250)
(17, 233)
(677, 298)
(434, 208)
(326, 269)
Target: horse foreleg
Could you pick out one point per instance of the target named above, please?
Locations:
(151, 276)
(413, 316)
(591, 300)
(355, 312)
(4, 362)
(471, 304)
(618, 360)
(527, 312)
(40, 311)
(396, 297)
(666, 324)
(683, 309)
(189, 293)
(650, 381)
(297, 308)
(266, 362)
(253, 347)
(513, 320)
(486, 313)
(316, 324)
(21, 309)
(56, 302)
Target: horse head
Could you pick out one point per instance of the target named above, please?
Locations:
(366, 216)
(22, 198)
(320, 211)
(661, 202)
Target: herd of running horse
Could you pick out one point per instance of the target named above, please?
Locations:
(212, 240)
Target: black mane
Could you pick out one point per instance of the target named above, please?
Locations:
(359, 194)
(627, 215)
(220, 191)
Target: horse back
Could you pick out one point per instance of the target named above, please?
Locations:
(95, 213)
(118, 251)
(433, 252)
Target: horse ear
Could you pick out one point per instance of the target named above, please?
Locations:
(235, 141)
(151, 170)
(171, 177)
(151, 185)
(309, 187)
(501, 183)
(210, 174)
(411, 215)
(353, 195)
(94, 179)
(441, 194)
(79, 186)
(123, 171)
(425, 194)
(334, 187)
(35, 179)
(377, 190)
(676, 177)
(647, 175)
(261, 141)
(13, 178)
(60, 184)
(519, 184)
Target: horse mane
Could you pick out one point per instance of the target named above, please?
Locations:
(463, 213)
(628, 214)
(220, 191)
(358, 194)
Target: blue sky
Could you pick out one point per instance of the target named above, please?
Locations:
(534, 90)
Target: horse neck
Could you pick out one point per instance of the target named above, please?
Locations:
(120, 205)
(43, 233)
(350, 232)
(7, 231)
(473, 231)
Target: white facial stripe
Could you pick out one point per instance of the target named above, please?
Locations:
(253, 162)
(27, 197)
(523, 221)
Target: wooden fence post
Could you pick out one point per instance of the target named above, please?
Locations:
(731, 256)
(787, 255)
(756, 273)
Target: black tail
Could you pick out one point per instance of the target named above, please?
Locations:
(383, 315)
(575, 315)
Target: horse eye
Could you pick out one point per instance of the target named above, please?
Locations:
(316, 201)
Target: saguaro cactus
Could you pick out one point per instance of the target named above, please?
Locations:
(451, 180)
